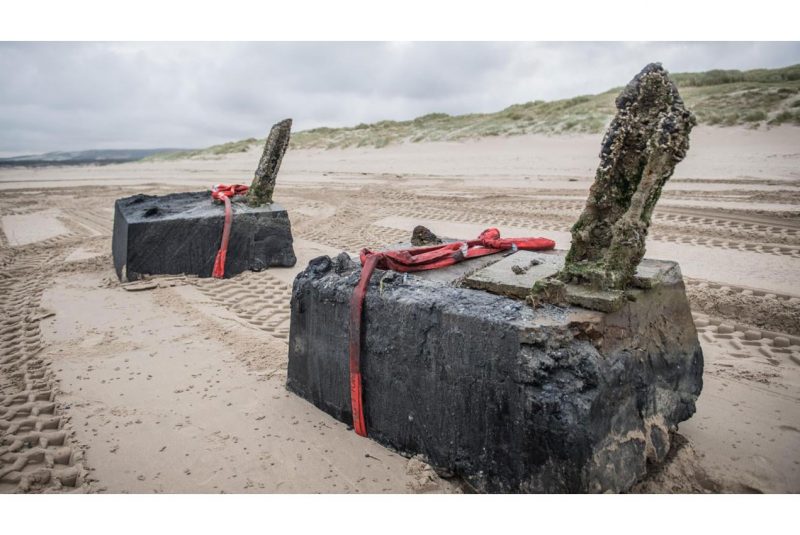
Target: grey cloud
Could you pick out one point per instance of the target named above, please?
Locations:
(69, 96)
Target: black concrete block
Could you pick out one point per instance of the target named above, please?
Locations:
(510, 398)
(182, 232)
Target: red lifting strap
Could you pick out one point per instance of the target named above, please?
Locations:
(417, 259)
(224, 192)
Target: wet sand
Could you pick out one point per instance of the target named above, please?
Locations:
(176, 384)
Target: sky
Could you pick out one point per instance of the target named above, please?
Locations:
(79, 96)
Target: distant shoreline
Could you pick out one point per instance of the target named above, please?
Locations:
(56, 163)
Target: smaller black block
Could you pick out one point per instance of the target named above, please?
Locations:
(182, 232)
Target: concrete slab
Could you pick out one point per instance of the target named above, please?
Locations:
(458, 272)
(651, 273)
(515, 275)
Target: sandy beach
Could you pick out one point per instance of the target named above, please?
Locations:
(176, 384)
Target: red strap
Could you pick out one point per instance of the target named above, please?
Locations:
(224, 192)
(356, 305)
(410, 260)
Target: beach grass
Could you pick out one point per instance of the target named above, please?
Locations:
(760, 98)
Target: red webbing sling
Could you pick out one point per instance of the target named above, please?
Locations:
(224, 192)
(410, 260)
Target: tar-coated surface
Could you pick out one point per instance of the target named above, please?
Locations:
(181, 233)
(510, 398)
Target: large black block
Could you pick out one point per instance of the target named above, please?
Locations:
(182, 232)
(513, 399)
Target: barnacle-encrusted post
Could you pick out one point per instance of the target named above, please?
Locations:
(263, 185)
(647, 138)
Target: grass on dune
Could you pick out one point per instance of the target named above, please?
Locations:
(759, 98)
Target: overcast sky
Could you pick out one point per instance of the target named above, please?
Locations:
(74, 96)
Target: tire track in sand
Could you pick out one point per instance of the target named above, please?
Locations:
(767, 360)
(259, 299)
(36, 451)
(773, 311)
(681, 232)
